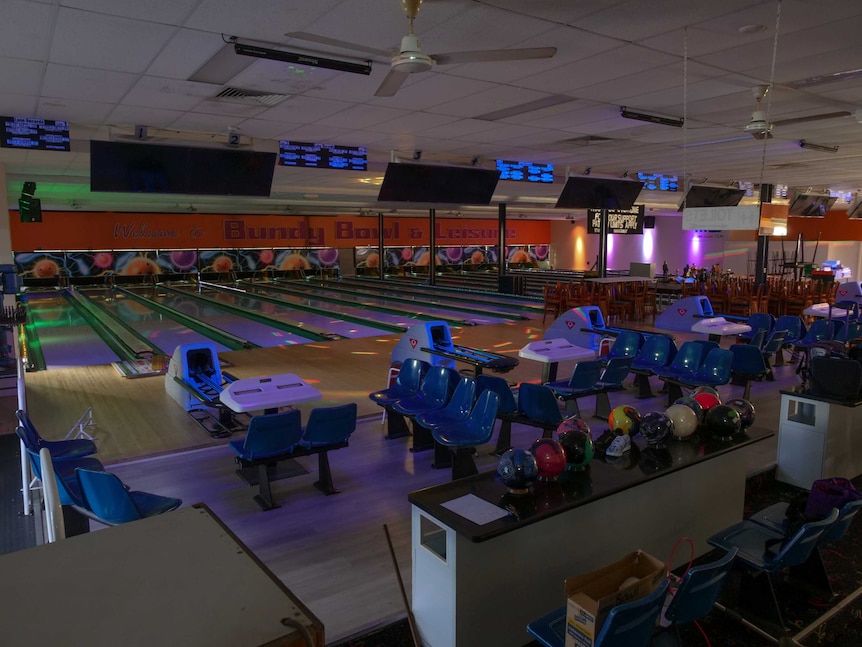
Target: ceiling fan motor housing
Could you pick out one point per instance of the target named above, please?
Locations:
(410, 58)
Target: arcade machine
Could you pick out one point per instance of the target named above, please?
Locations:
(195, 380)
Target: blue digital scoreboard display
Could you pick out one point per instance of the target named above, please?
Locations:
(525, 171)
(659, 182)
(34, 134)
(351, 158)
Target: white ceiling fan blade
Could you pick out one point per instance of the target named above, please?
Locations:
(341, 44)
(492, 55)
(391, 84)
(803, 120)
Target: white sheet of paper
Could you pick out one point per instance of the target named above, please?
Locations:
(475, 509)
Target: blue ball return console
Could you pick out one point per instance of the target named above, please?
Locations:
(683, 314)
(578, 326)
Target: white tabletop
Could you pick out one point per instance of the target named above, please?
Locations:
(720, 326)
(822, 310)
(555, 350)
(268, 392)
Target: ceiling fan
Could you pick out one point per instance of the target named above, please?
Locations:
(410, 58)
(759, 128)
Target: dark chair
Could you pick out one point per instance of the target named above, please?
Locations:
(796, 330)
(611, 379)
(759, 322)
(698, 592)
(583, 378)
(328, 427)
(64, 475)
(812, 570)
(61, 450)
(457, 409)
(268, 436)
(626, 344)
(707, 345)
(686, 362)
(461, 437)
(407, 382)
(627, 625)
(747, 365)
(772, 347)
(820, 330)
(108, 501)
(763, 553)
(507, 409)
(714, 372)
(434, 392)
(657, 352)
(537, 402)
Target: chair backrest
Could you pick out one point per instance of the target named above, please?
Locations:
(28, 434)
(615, 372)
(632, 624)
(330, 425)
(699, 589)
(845, 516)
(757, 339)
(501, 387)
(717, 366)
(538, 402)
(106, 497)
(627, 344)
(707, 345)
(411, 373)
(272, 434)
(586, 374)
(793, 324)
(436, 384)
(483, 415)
(688, 358)
(797, 549)
(463, 398)
(655, 352)
(56, 530)
(775, 342)
(818, 331)
(836, 329)
(760, 321)
(747, 360)
(66, 495)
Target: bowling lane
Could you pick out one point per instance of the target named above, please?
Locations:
(246, 301)
(64, 336)
(333, 298)
(167, 334)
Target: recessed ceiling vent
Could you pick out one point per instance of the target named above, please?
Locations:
(249, 97)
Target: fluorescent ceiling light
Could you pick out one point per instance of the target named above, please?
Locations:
(530, 106)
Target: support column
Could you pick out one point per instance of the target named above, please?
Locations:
(761, 269)
(603, 244)
(380, 243)
(501, 241)
(432, 249)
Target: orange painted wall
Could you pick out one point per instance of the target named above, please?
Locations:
(77, 230)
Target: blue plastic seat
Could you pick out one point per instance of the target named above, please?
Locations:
(583, 378)
(64, 475)
(507, 409)
(714, 371)
(328, 427)
(686, 362)
(772, 347)
(748, 364)
(759, 322)
(268, 435)
(537, 402)
(433, 393)
(108, 501)
(820, 330)
(61, 450)
(657, 352)
(466, 434)
(765, 552)
(626, 344)
(794, 325)
(698, 591)
(457, 409)
(407, 382)
(627, 625)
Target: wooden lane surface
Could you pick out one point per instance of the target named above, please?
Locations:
(136, 418)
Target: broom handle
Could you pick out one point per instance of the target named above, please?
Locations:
(410, 619)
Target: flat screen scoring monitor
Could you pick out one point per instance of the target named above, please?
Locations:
(810, 205)
(701, 195)
(584, 192)
(437, 184)
(148, 168)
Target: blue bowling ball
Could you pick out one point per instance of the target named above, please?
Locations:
(517, 469)
(656, 428)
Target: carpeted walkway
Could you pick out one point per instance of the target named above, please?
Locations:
(16, 531)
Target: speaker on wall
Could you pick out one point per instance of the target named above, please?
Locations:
(649, 222)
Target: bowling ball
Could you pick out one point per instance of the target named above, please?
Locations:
(517, 469)
(656, 428)
(723, 421)
(707, 401)
(625, 419)
(745, 409)
(550, 458)
(573, 423)
(578, 447)
(706, 389)
(684, 420)
(694, 405)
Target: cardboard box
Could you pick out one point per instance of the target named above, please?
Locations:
(591, 596)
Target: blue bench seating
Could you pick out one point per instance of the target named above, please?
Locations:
(610, 379)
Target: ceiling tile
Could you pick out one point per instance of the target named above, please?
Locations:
(25, 31)
(168, 94)
(65, 82)
(360, 117)
(172, 13)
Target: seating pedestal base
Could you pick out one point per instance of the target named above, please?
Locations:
(396, 425)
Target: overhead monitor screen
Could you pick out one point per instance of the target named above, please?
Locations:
(525, 171)
(584, 192)
(305, 154)
(438, 184)
(701, 195)
(34, 134)
(811, 205)
(659, 182)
